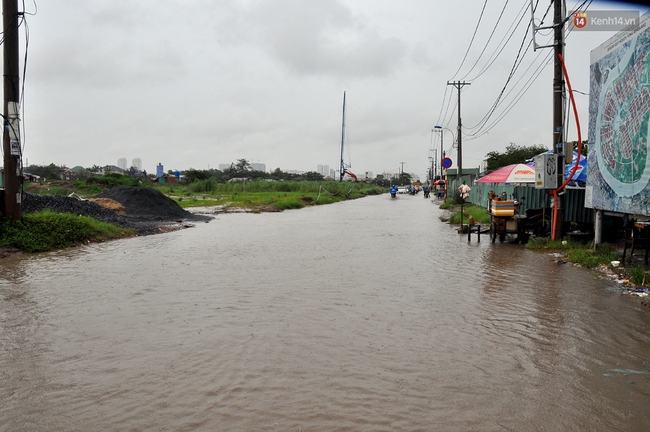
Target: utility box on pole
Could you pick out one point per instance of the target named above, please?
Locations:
(546, 169)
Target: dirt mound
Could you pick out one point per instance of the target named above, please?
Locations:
(66, 204)
(146, 203)
(110, 204)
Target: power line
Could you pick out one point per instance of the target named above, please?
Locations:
(472, 40)
(486, 128)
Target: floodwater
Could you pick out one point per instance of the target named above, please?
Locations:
(368, 315)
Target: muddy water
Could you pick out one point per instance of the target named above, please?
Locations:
(367, 315)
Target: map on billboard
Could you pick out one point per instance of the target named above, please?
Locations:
(618, 166)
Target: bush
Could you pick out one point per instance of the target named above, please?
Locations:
(111, 180)
(206, 185)
(46, 231)
(638, 275)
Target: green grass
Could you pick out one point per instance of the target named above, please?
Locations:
(47, 231)
(577, 252)
(281, 195)
(638, 275)
(478, 214)
(252, 194)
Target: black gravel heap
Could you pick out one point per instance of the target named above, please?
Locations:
(146, 203)
(147, 209)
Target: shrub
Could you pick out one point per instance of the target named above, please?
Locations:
(45, 231)
(206, 185)
(637, 275)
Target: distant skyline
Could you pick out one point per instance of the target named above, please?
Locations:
(194, 84)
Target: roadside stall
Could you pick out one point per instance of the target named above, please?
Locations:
(504, 216)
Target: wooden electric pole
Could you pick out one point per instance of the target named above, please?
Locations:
(11, 138)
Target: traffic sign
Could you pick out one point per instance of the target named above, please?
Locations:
(446, 163)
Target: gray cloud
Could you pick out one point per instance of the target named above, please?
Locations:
(318, 38)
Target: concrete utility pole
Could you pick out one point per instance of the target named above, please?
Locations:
(559, 95)
(459, 85)
(11, 137)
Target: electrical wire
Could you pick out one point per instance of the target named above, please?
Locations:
(488, 41)
(505, 40)
(443, 120)
(482, 128)
(472, 40)
(513, 103)
(518, 59)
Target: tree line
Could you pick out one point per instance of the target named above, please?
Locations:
(241, 169)
(516, 154)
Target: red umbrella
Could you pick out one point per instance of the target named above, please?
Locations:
(515, 173)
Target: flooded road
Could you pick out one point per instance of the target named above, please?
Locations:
(367, 315)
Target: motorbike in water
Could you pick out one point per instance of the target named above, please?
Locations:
(393, 192)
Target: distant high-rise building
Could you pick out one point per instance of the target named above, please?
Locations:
(332, 173)
(223, 167)
(258, 167)
(319, 169)
(324, 170)
(121, 162)
(137, 164)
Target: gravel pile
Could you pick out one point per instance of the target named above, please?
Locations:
(146, 203)
(148, 211)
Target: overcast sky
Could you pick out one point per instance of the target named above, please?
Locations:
(197, 83)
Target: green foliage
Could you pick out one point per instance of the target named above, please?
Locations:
(46, 231)
(205, 185)
(192, 175)
(92, 189)
(111, 180)
(50, 172)
(313, 176)
(280, 194)
(289, 204)
(514, 154)
(638, 275)
(404, 179)
(478, 214)
(579, 253)
(588, 258)
(242, 166)
(59, 191)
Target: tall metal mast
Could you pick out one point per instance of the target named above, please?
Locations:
(342, 172)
